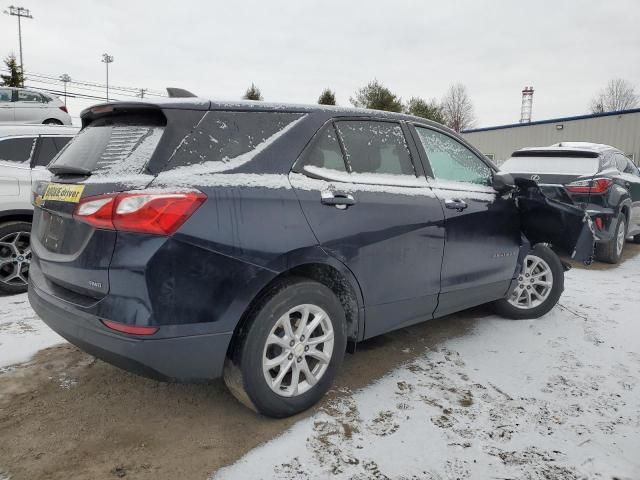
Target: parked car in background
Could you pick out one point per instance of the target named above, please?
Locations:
(26, 105)
(600, 179)
(189, 239)
(25, 151)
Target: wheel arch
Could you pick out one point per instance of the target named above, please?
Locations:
(325, 270)
(16, 216)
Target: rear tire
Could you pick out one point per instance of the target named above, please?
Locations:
(15, 256)
(284, 331)
(540, 285)
(611, 251)
(52, 121)
(636, 239)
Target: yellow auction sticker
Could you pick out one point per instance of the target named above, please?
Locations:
(63, 193)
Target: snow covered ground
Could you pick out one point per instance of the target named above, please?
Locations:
(555, 398)
(22, 333)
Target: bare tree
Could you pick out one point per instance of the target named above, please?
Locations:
(617, 95)
(457, 108)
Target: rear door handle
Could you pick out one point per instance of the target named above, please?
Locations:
(455, 204)
(339, 200)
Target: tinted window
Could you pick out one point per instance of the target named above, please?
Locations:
(5, 95)
(49, 148)
(450, 160)
(16, 149)
(375, 147)
(326, 152)
(27, 96)
(61, 141)
(111, 149)
(226, 136)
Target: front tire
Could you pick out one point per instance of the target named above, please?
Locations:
(540, 284)
(611, 251)
(287, 356)
(15, 256)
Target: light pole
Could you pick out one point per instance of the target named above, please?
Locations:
(65, 79)
(107, 59)
(20, 13)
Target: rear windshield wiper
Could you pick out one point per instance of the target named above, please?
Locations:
(69, 170)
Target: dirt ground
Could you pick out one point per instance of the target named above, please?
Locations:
(65, 415)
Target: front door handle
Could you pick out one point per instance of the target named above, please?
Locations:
(455, 204)
(339, 200)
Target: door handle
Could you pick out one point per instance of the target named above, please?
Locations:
(339, 200)
(455, 204)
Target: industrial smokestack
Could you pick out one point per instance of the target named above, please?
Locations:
(527, 105)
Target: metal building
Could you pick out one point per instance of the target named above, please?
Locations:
(620, 129)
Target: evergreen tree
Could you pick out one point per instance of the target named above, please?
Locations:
(252, 93)
(327, 97)
(15, 77)
(430, 110)
(378, 97)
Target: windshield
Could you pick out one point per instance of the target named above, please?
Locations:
(552, 165)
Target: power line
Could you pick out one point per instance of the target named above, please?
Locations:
(84, 85)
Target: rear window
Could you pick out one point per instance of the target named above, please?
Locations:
(111, 149)
(222, 137)
(554, 165)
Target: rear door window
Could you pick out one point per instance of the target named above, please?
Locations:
(452, 161)
(16, 150)
(30, 97)
(375, 147)
(226, 140)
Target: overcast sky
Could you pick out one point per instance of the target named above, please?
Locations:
(293, 49)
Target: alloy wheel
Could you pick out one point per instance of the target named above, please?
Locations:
(620, 238)
(15, 258)
(298, 350)
(534, 284)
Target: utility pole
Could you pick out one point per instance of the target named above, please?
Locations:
(64, 78)
(20, 13)
(107, 59)
(142, 92)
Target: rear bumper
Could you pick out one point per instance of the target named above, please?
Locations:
(185, 353)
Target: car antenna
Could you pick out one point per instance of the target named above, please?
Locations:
(179, 93)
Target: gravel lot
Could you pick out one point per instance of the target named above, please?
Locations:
(467, 396)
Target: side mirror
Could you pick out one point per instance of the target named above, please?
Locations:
(503, 182)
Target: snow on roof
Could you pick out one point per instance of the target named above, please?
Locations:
(36, 129)
(571, 147)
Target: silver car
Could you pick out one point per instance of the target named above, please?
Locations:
(25, 105)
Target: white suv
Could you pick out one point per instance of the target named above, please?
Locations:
(23, 105)
(25, 151)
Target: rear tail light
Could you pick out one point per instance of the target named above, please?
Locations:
(130, 329)
(143, 212)
(597, 185)
(64, 109)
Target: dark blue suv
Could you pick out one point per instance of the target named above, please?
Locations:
(188, 240)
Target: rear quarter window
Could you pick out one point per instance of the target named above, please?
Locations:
(224, 139)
